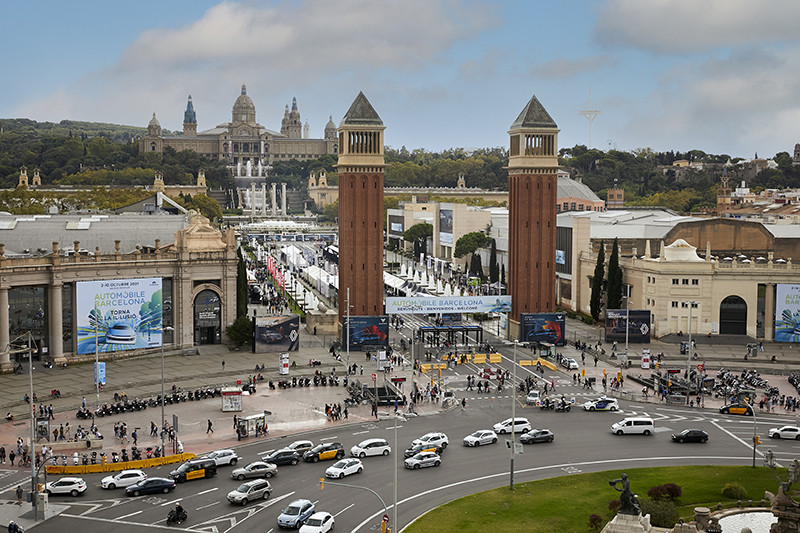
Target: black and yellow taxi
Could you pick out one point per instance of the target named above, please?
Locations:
(194, 469)
(422, 447)
(324, 451)
(737, 409)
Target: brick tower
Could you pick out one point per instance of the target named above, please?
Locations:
(360, 166)
(532, 193)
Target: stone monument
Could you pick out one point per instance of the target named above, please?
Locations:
(785, 509)
(629, 518)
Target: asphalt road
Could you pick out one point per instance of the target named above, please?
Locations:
(583, 443)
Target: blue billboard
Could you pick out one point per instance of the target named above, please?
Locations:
(543, 327)
(365, 332)
(638, 325)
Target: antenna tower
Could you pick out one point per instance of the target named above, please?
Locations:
(590, 115)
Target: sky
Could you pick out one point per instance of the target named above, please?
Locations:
(722, 76)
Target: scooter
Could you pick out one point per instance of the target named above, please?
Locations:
(174, 518)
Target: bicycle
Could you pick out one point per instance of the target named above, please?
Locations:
(25, 461)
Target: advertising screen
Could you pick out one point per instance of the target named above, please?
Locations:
(396, 225)
(367, 331)
(787, 313)
(638, 330)
(446, 226)
(277, 333)
(561, 257)
(118, 314)
(543, 327)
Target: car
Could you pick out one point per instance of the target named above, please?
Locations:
(434, 438)
(223, 457)
(533, 397)
(151, 485)
(569, 363)
(480, 437)
(345, 467)
(271, 337)
(371, 447)
(360, 338)
(282, 457)
(537, 435)
(601, 404)
(122, 479)
(319, 522)
(121, 333)
(422, 460)
(690, 435)
(66, 485)
(416, 448)
(254, 469)
(300, 446)
(257, 489)
(321, 452)
(785, 432)
(519, 425)
(737, 409)
(296, 513)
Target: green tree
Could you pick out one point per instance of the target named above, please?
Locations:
(242, 292)
(494, 268)
(596, 298)
(241, 331)
(418, 235)
(476, 266)
(614, 288)
(468, 244)
(503, 274)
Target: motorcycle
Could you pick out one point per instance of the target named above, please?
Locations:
(175, 518)
(562, 407)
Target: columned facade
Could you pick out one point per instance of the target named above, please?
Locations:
(533, 191)
(360, 167)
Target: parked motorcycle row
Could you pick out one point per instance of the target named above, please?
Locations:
(319, 379)
(122, 405)
(728, 384)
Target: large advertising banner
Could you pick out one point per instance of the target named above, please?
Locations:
(449, 304)
(544, 327)
(367, 331)
(118, 314)
(277, 333)
(638, 329)
(446, 226)
(787, 313)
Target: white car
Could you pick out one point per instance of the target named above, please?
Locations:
(371, 447)
(569, 363)
(432, 439)
(785, 432)
(601, 404)
(519, 425)
(66, 485)
(126, 478)
(422, 460)
(223, 457)
(533, 398)
(319, 522)
(345, 467)
(480, 437)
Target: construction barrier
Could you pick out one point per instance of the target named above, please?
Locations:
(547, 364)
(526, 362)
(495, 358)
(114, 467)
(479, 359)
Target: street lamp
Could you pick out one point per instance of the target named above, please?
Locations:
(513, 415)
(347, 331)
(689, 351)
(163, 429)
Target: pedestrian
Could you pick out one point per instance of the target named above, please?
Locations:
(463, 403)
(153, 429)
(223, 365)
(375, 409)
(19, 493)
(83, 403)
(134, 436)
(595, 360)
(11, 456)
(345, 413)
(209, 429)
(3, 454)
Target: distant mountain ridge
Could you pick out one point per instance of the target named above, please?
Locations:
(74, 128)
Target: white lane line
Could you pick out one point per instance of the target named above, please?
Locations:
(207, 491)
(343, 510)
(360, 432)
(203, 507)
(748, 445)
(128, 515)
(330, 438)
(173, 502)
(266, 452)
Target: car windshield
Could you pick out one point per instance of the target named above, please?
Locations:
(292, 510)
(244, 487)
(318, 448)
(477, 434)
(340, 464)
(183, 468)
(314, 522)
(419, 457)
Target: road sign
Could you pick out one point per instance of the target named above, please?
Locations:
(374, 377)
(386, 518)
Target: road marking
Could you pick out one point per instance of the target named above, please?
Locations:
(329, 438)
(128, 515)
(745, 443)
(173, 502)
(343, 510)
(266, 452)
(360, 432)
(207, 491)
(203, 507)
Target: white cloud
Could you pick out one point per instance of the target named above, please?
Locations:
(685, 26)
(561, 68)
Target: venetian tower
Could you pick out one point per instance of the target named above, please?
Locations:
(360, 167)
(533, 187)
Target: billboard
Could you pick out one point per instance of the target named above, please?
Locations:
(118, 314)
(279, 333)
(638, 330)
(446, 226)
(787, 313)
(543, 327)
(561, 257)
(449, 304)
(367, 331)
(396, 224)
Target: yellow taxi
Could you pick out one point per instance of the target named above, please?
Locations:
(324, 451)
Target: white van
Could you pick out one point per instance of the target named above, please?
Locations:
(634, 425)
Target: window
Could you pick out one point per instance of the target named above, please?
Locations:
(580, 207)
(695, 281)
(566, 206)
(674, 304)
(572, 206)
(695, 305)
(675, 281)
(684, 281)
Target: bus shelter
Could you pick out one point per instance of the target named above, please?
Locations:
(252, 426)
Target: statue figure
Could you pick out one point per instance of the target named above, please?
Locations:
(628, 503)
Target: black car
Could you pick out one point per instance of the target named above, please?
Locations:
(737, 409)
(282, 457)
(423, 447)
(322, 452)
(537, 435)
(690, 435)
(151, 485)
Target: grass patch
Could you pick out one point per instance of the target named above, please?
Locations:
(564, 504)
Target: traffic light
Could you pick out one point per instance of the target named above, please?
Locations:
(657, 365)
(605, 373)
(383, 527)
(619, 375)
(321, 483)
(758, 440)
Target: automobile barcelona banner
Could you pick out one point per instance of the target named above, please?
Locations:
(638, 329)
(787, 313)
(543, 327)
(277, 333)
(367, 331)
(449, 304)
(118, 314)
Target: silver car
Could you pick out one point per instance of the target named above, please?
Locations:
(257, 489)
(255, 469)
(480, 437)
(422, 460)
